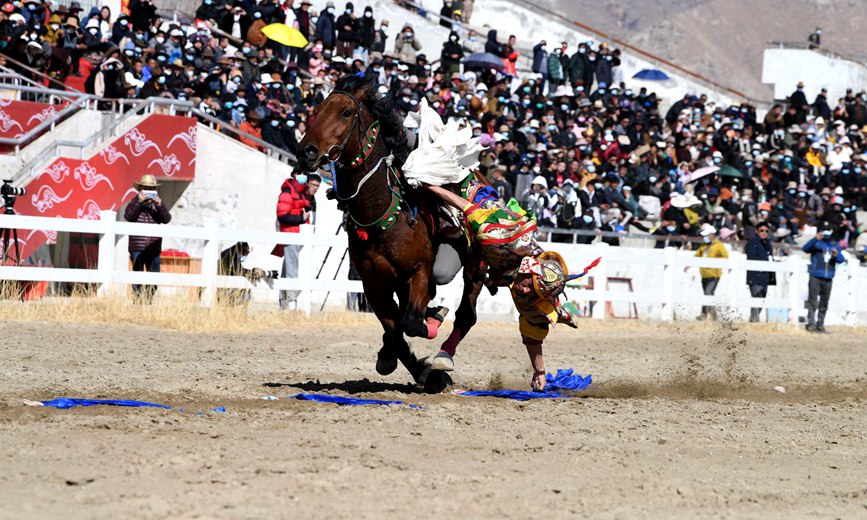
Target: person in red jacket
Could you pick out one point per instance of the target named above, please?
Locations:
(146, 207)
(294, 207)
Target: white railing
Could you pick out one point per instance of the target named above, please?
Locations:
(664, 281)
(110, 229)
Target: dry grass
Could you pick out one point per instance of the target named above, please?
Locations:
(171, 313)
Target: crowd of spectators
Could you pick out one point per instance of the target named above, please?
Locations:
(596, 154)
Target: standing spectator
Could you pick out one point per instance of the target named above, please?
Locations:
(555, 70)
(366, 34)
(798, 101)
(446, 14)
(347, 32)
(711, 248)
(406, 45)
(493, 46)
(450, 59)
(472, 45)
(294, 207)
(760, 248)
(467, 10)
(302, 17)
(377, 48)
(510, 56)
(540, 62)
(825, 254)
(814, 41)
(326, 27)
(144, 252)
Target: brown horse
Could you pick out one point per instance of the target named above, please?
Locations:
(392, 246)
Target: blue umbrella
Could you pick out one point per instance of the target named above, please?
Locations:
(651, 75)
(484, 60)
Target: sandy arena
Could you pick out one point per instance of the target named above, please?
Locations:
(683, 423)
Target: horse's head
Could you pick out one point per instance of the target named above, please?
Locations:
(340, 123)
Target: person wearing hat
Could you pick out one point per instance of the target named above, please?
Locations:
(326, 27)
(825, 254)
(146, 207)
(710, 276)
(760, 249)
(798, 101)
(451, 55)
(536, 278)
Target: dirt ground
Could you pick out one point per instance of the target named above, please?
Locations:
(683, 422)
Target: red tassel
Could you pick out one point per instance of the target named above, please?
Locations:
(593, 264)
(362, 234)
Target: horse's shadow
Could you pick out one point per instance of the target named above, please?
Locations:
(350, 387)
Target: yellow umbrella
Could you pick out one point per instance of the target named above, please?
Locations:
(282, 33)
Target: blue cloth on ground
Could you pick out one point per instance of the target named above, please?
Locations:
(564, 380)
(341, 400)
(64, 402)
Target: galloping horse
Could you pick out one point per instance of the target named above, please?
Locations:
(392, 246)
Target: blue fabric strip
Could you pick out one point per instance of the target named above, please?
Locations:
(350, 401)
(64, 403)
(565, 379)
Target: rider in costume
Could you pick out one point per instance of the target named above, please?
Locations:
(501, 232)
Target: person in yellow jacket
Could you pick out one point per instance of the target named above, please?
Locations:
(712, 248)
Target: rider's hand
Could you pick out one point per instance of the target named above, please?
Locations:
(537, 382)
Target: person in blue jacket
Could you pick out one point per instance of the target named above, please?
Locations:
(760, 248)
(825, 254)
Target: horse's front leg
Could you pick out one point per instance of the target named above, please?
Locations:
(419, 295)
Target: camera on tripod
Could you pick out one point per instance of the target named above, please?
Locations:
(9, 192)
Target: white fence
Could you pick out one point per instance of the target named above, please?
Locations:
(655, 283)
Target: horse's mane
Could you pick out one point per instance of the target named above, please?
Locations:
(381, 108)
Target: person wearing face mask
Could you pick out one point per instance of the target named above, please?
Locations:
(710, 276)
(540, 62)
(666, 233)
(347, 32)
(295, 206)
(326, 27)
(452, 54)
(555, 71)
(366, 34)
(406, 45)
(578, 64)
(232, 264)
(446, 14)
(377, 48)
(825, 254)
(471, 44)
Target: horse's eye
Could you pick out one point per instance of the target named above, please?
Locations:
(347, 113)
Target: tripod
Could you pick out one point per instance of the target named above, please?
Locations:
(8, 234)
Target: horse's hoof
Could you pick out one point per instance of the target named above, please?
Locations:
(385, 366)
(437, 382)
(416, 330)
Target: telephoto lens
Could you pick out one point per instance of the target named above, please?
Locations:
(272, 274)
(8, 190)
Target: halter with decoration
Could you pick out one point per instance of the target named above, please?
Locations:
(367, 142)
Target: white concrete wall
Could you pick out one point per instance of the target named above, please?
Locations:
(784, 68)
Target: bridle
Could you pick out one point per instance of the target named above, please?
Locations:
(366, 141)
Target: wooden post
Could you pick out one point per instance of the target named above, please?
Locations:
(667, 313)
(107, 254)
(210, 262)
(796, 279)
(305, 267)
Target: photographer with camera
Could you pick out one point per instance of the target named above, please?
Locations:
(9, 193)
(231, 264)
(146, 207)
(295, 206)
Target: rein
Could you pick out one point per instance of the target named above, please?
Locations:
(367, 142)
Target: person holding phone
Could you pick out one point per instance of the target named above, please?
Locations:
(146, 207)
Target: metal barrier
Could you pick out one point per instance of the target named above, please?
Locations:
(73, 101)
